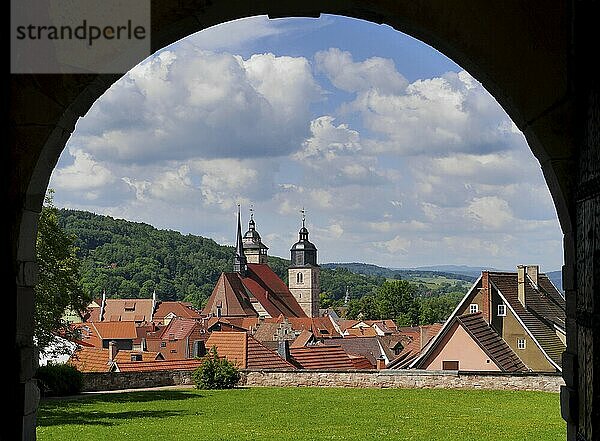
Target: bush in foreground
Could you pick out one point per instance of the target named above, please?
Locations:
(216, 373)
(59, 380)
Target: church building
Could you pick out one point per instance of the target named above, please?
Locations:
(253, 289)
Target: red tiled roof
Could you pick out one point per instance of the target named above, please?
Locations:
(279, 295)
(230, 296)
(124, 330)
(360, 362)
(245, 351)
(128, 309)
(303, 339)
(189, 364)
(321, 357)
(179, 328)
(180, 309)
(87, 359)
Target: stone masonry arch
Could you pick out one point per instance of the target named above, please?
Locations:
(529, 55)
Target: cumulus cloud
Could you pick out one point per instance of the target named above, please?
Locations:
(346, 74)
(195, 103)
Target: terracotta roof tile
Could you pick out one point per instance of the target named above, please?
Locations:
(245, 351)
(189, 364)
(321, 357)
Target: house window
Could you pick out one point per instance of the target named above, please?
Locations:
(299, 278)
(474, 308)
(521, 343)
(450, 365)
(163, 344)
(502, 310)
(136, 357)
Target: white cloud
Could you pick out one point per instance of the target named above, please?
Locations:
(194, 103)
(374, 73)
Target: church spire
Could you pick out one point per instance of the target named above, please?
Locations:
(239, 260)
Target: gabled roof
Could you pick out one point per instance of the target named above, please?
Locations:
(415, 342)
(496, 348)
(368, 347)
(321, 357)
(87, 359)
(230, 296)
(236, 294)
(271, 291)
(303, 339)
(180, 309)
(128, 310)
(179, 328)
(124, 330)
(245, 351)
(545, 309)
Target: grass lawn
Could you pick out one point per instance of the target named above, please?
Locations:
(304, 414)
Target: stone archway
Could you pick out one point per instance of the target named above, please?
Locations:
(525, 54)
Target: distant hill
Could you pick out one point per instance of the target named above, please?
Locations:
(407, 274)
(473, 271)
(556, 278)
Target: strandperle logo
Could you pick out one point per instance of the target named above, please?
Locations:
(85, 31)
(79, 36)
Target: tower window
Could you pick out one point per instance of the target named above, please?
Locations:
(299, 278)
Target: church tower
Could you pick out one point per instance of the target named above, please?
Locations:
(240, 264)
(254, 249)
(303, 274)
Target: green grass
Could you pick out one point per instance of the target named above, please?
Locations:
(304, 414)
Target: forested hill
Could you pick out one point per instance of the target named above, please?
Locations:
(129, 259)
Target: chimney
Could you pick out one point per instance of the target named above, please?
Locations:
(486, 299)
(533, 272)
(381, 363)
(521, 273)
(113, 350)
(283, 349)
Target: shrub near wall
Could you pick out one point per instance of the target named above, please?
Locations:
(59, 380)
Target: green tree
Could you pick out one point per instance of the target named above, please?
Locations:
(215, 372)
(396, 300)
(58, 289)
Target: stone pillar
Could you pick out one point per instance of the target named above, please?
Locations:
(28, 394)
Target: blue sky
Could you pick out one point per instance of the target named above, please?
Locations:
(399, 157)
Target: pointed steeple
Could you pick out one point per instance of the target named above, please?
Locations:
(240, 264)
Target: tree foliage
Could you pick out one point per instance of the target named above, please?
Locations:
(58, 290)
(215, 372)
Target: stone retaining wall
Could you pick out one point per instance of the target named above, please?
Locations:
(351, 378)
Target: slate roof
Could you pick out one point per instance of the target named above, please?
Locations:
(545, 309)
(321, 357)
(493, 345)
